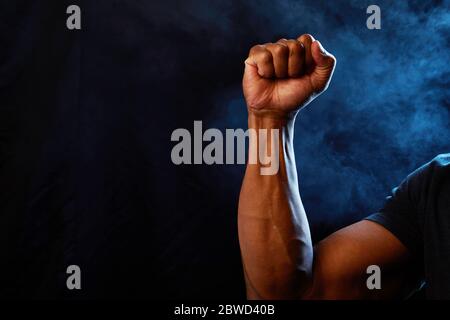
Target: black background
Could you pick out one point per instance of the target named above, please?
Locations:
(86, 117)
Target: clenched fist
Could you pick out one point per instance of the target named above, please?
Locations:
(282, 77)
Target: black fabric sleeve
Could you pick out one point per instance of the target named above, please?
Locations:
(403, 210)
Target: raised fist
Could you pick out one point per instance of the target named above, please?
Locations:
(282, 77)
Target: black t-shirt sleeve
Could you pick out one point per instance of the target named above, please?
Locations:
(418, 214)
(402, 213)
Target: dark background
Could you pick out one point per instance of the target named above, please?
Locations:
(86, 118)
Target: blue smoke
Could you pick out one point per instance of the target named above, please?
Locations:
(385, 113)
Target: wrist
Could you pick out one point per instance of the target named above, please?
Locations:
(271, 138)
(262, 119)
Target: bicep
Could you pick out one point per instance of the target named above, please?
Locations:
(341, 261)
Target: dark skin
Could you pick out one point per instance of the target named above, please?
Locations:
(278, 257)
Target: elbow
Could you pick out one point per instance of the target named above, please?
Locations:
(334, 284)
(286, 287)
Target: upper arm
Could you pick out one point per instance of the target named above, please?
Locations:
(341, 261)
(393, 241)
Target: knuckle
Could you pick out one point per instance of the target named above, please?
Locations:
(255, 49)
(265, 56)
(333, 60)
(306, 38)
(295, 46)
(280, 49)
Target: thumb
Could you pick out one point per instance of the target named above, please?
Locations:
(324, 66)
(321, 57)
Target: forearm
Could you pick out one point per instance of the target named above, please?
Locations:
(273, 229)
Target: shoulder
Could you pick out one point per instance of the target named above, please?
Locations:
(439, 173)
(431, 172)
(406, 208)
(429, 182)
(441, 161)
